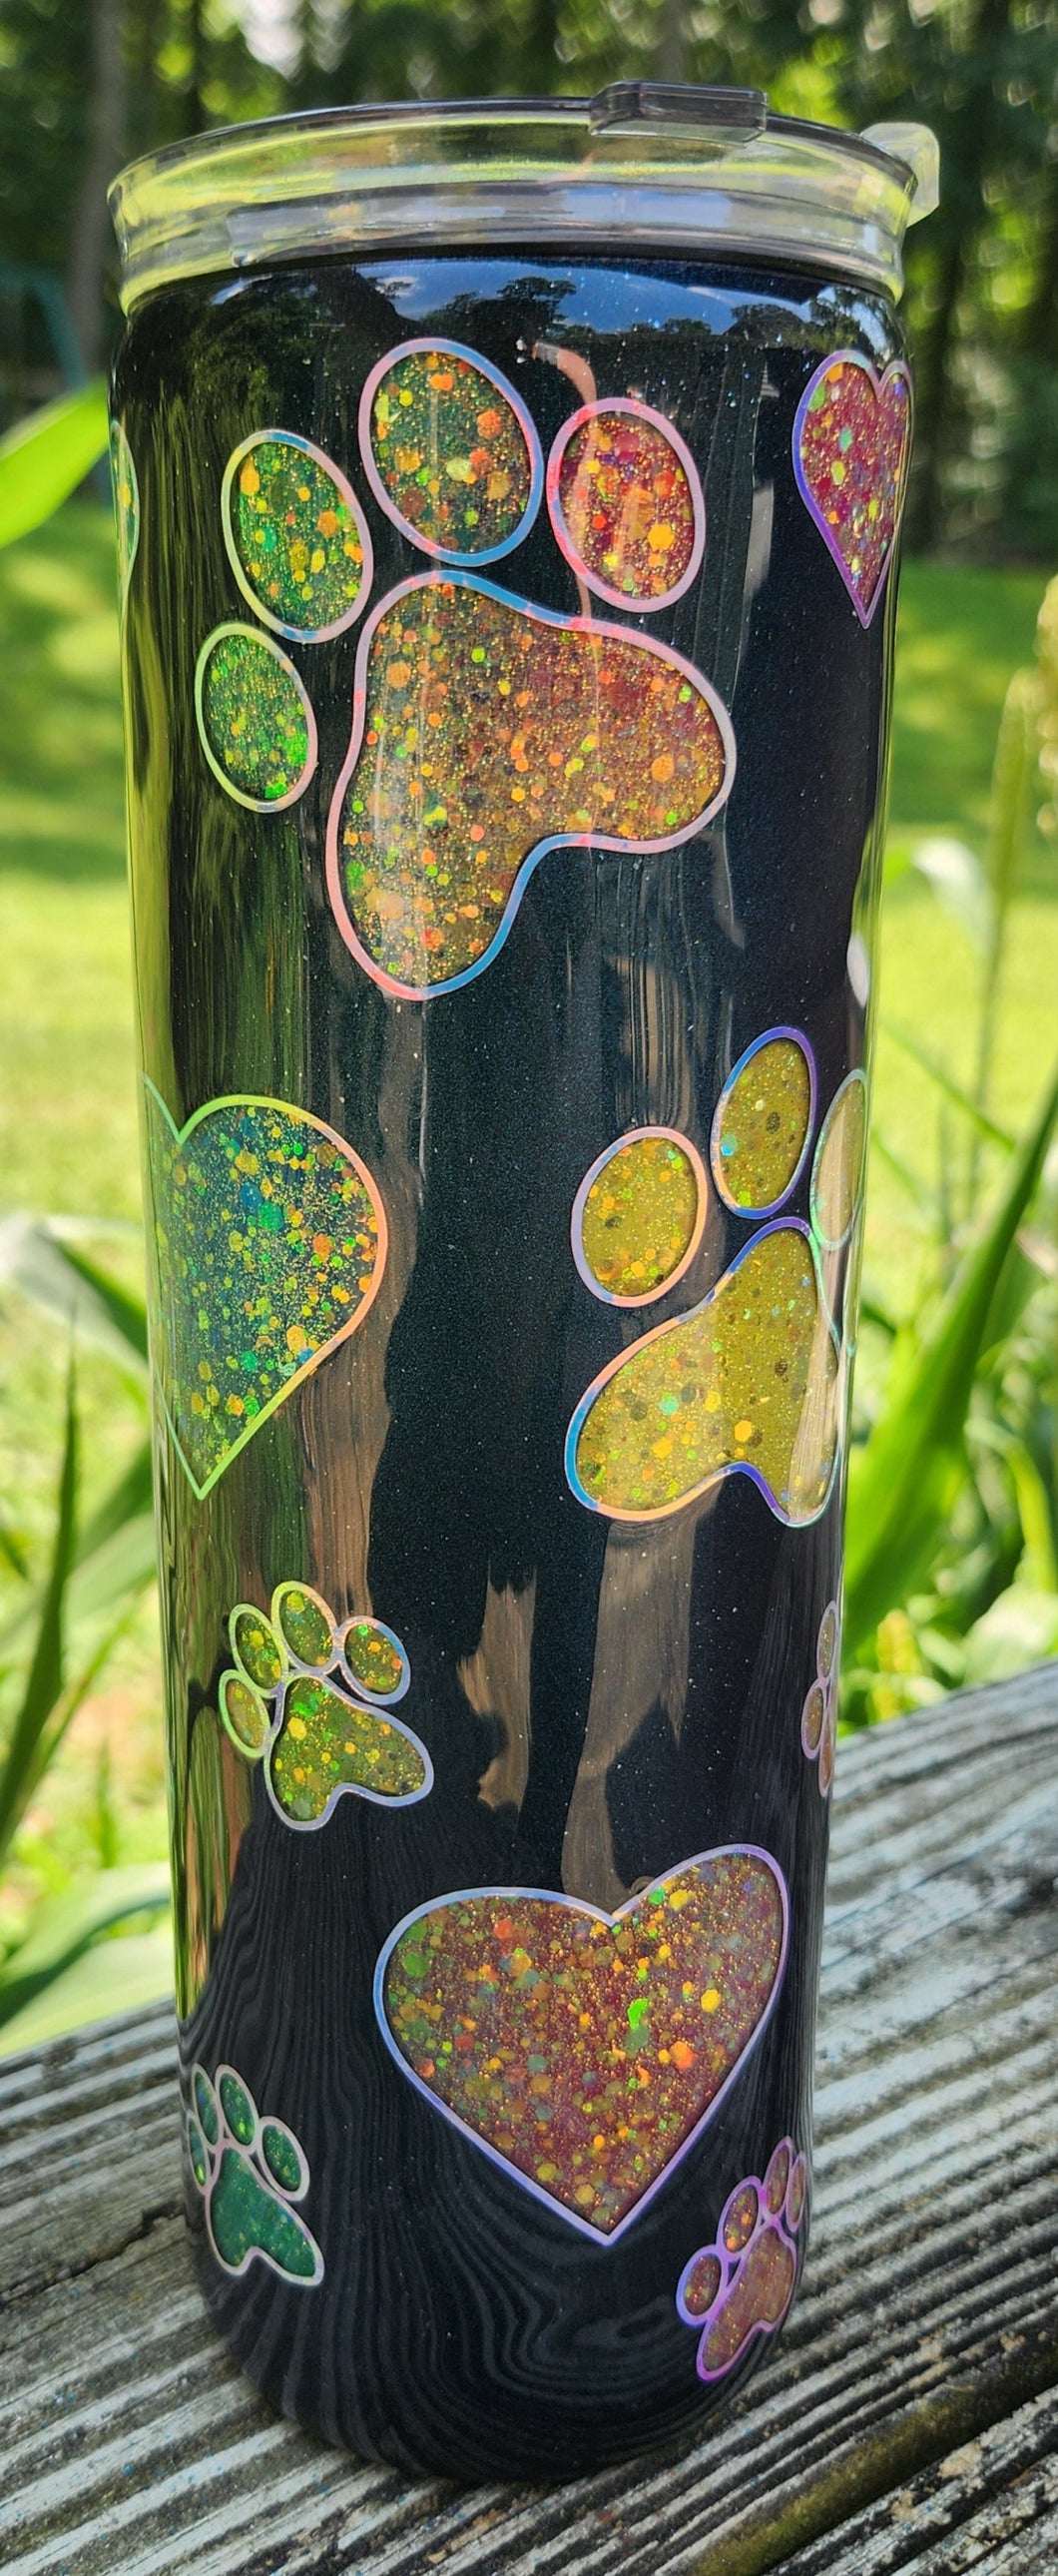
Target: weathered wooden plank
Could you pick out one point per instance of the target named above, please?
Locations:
(929, 2315)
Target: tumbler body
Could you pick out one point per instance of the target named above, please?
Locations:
(503, 1238)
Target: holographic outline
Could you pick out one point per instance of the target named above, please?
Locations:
(735, 1466)
(896, 367)
(261, 2174)
(595, 1914)
(376, 1699)
(272, 1704)
(288, 438)
(633, 1136)
(255, 804)
(837, 1243)
(312, 1672)
(799, 1039)
(783, 2224)
(824, 1753)
(285, 1109)
(645, 644)
(602, 590)
(238, 1673)
(524, 418)
(122, 460)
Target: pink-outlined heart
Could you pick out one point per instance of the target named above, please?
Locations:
(851, 450)
(584, 2052)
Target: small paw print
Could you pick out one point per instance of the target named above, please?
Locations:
(819, 1716)
(250, 2170)
(748, 1381)
(742, 2284)
(295, 1700)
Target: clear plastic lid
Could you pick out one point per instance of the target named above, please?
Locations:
(641, 166)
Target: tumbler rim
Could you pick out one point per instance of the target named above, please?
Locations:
(642, 166)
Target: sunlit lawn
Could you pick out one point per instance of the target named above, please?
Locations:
(67, 1108)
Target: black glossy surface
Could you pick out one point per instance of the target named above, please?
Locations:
(600, 1702)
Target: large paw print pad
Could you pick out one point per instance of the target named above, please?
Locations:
(584, 2051)
(486, 732)
(250, 2171)
(851, 448)
(294, 1699)
(838, 1167)
(450, 452)
(763, 1123)
(296, 536)
(742, 2284)
(819, 1716)
(255, 722)
(626, 504)
(639, 1216)
(267, 1244)
(747, 1383)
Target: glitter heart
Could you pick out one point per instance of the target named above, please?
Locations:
(485, 733)
(583, 2051)
(851, 447)
(266, 1246)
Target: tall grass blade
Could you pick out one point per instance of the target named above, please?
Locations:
(18, 1772)
(946, 1083)
(904, 1480)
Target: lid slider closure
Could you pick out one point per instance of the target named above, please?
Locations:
(721, 116)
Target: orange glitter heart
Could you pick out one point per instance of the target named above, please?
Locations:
(583, 2051)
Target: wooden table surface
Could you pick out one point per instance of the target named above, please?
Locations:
(909, 2418)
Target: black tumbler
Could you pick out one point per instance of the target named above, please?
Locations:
(508, 503)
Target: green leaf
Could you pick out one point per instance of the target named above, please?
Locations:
(63, 1928)
(47, 455)
(126, 1312)
(1020, 1628)
(903, 1482)
(44, 1267)
(1038, 1569)
(18, 1772)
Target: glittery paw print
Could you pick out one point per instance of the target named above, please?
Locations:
(250, 2170)
(742, 2284)
(851, 448)
(310, 1699)
(585, 2051)
(819, 1716)
(486, 731)
(748, 1380)
(299, 548)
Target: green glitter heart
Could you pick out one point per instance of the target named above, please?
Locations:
(266, 1245)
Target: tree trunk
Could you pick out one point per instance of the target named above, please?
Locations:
(1041, 318)
(196, 80)
(672, 41)
(106, 126)
(931, 403)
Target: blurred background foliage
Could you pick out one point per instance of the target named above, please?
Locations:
(82, 89)
(953, 1507)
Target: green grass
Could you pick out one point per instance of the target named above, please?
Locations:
(68, 1131)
